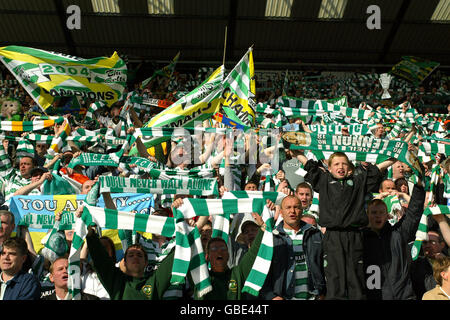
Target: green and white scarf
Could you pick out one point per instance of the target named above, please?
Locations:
(25, 148)
(422, 230)
(35, 125)
(224, 207)
(447, 186)
(433, 148)
(182, 185)
(93, 107)
(111, 219)
(359, 148)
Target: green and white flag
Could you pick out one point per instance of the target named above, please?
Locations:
(46, 75)
(238, 94)
(198, 105)
(414, 69)
(166, 71)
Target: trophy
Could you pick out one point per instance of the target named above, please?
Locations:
(385, 81)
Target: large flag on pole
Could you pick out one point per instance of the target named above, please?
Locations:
(166, 71)
(239, 92)
(414, 69)
(46, 75)
(198, 105)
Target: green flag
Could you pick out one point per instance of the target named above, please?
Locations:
(414, 69)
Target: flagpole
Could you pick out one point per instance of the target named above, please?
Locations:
(225, 45)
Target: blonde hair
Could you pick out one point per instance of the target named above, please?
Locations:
(337, 154)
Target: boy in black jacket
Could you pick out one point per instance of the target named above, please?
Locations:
(342, 190)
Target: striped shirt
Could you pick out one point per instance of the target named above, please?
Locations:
(13, 182)
(301, 269)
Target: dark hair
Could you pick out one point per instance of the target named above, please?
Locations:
(111, 245)
(400, 182)
(117, 105)
(17, 243)
(136, 246)
(376, 202)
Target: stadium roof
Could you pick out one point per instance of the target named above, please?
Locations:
(284, 33)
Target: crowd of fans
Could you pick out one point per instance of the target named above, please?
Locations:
(337, 234)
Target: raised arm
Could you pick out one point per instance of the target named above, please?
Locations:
(103, 263)
(30, 187)
(410, 221)
(386, 164)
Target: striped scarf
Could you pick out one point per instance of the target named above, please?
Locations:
(447, 186)
(35, 125)
(422, 231)
(93, 107)
(111, 219)
(189, 240)
(25, 148)
(360, 148)
(59, 142)
(188, 186)
(433, 148)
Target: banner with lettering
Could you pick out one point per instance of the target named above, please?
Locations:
(47, 74)
(175, 185)
(43, 205)
(359, 148)
(131, 202)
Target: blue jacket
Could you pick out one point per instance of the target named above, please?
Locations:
(281, 280)
(24, 286)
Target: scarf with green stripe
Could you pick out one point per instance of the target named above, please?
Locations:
(59, 141)
(189, 252)
(359, 148)
(447, 186)
(433, 148)
(35, 125)
(422, 231)
(93, 107)
(111, 219)
(25, 148)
